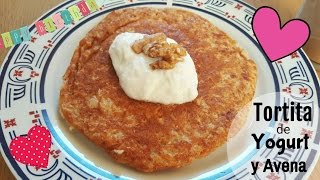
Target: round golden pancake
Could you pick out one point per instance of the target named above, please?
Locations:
(150, 136)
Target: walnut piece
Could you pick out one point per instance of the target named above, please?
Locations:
(156, 46)
(139, 44)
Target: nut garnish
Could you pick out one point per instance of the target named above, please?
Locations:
(156, 46)
(139, 44)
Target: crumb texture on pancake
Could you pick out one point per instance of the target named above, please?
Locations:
(150, 136)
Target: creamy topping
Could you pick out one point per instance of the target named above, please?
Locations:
(139, 81)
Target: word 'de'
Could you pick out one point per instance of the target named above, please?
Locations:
(50, 24)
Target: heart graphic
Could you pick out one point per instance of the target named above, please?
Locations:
(276, 41)
(32, 150)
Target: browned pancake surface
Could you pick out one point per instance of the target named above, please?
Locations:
(149, 136)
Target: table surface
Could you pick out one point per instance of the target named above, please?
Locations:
(19, 13)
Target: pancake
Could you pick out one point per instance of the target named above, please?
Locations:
(150, 136)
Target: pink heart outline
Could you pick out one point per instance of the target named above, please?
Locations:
(270, 52)
(32, 150)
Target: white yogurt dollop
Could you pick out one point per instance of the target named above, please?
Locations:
(140, 82)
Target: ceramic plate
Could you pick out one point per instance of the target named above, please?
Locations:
(31, 78)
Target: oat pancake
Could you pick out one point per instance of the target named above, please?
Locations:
(150, 136)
